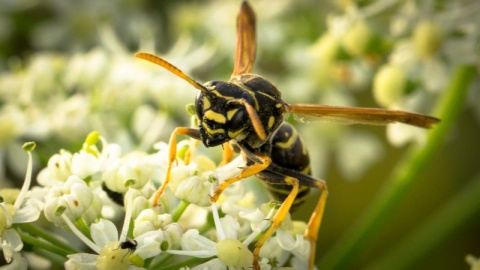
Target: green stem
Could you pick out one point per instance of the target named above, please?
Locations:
(83, 227)
(51, 257)
(185, 263)
(47, 236)
(161, 261)
(177, 212)
(407, 172)
(37, 243)
(457, 212)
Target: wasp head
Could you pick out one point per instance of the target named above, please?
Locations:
(221, 116)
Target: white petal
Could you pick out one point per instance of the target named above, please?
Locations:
(18, 263)
(148, 244)
(83, 261)
(285, 239)
(230, 226)
(192, 240)
(13, 239)
(399, 134)
(103, 232)
(212, 264)
(29, 212)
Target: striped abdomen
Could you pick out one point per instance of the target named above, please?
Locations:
(288, 151)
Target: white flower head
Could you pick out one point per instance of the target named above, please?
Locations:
(72, 199)
(84, 164)
(133, 170)
(58, 169)
(108, 247)
(15, 208)
(149, 220)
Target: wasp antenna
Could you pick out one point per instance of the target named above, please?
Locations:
(173, 69)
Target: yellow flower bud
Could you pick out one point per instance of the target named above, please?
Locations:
(427, 39)
(234, 253)
(358, 39)
(389, 85)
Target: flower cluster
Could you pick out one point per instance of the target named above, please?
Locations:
(89, 194)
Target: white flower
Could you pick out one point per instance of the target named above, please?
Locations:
(110, 245)
(149, 220)
(72, 199)
(228, 251)
(133, 170)
(16, 208)
(58, 169)
(106, 244)
(473, 262)
(152, 243)
(84, 164)
(190, 184)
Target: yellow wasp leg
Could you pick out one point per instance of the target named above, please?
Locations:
(188, 154)
(227, 154)
(277, 219)
(264, 162)
(315, 221)
(172, 153)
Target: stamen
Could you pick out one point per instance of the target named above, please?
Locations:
(79, 234)
(128, 214)
(28, 147)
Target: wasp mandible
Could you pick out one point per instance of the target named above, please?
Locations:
(247, 113)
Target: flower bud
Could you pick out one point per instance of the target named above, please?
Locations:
(427, 38)
(119, 173)
(112, 257)
(75, 196)
(149, 220)
(58, 169)
(187, 184)
(358, 39)
(84, 164)
(234, 253)
(389, 85)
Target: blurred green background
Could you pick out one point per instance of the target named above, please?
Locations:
(67, 67)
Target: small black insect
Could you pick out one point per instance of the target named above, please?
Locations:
(129, 244)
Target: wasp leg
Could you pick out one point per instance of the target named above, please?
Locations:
(188, 154)
(278, 218)
(278, 175)
(261, 163)
(227, 154)
(172, 152)
(315, 221)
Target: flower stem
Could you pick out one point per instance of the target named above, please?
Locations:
(407, 172)
(451, 217)
(83, 227)
(189, 262)
(38, 243)
(47, 236)
(51, 257)
(177, 212)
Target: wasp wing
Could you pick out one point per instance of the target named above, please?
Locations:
(360, 115)
(246, 41)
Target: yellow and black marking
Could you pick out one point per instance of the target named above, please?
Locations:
(288, 151)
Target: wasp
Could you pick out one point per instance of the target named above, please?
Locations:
(246, 114)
